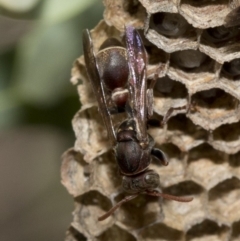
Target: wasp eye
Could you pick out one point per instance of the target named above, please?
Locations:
(152, 178)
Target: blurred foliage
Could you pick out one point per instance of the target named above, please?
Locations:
(40, 40)
(18, 6)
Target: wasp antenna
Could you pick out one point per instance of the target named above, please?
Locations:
(114, 208)
(170, 197)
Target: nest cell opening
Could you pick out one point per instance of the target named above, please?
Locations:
(76, 234)
(207, 228)
(171, 25)
(203, 3)
(106, 173)
(171, 32)
(142, 211)
(206, 151)
(161, 231)
(236, 230)
(183, 124)
(184, 188)
(223, 188)
(234, 160)
(207, 166)
(171, 150)
(231, 70)
(117, 234)
(224, 200)
(166, 87)
(132, 7)
(214, 99)
(192, 61)
(155, 55)
(93, 200)
(219, 36)
(227, 133)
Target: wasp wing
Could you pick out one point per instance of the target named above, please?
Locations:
(137, 83)
(93, 73)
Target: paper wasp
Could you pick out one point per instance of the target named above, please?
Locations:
(118, 76)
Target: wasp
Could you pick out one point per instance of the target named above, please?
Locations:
(119, 81)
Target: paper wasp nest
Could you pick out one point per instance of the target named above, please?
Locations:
(200, 58)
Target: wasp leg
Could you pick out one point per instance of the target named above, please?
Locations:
(169, 197)
(114, 208)
(191, 106)
(160, 155)
(151, 84)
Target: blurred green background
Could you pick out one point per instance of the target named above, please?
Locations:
(39, 40)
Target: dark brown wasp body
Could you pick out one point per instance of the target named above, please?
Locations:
(113, 71)
(118, 78)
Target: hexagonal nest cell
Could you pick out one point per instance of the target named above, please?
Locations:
(224, 202)
(214, 107)
(194, 57)
(208, 230)
(220, 43)
(171, 32)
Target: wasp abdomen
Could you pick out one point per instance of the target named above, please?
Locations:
(113, 67)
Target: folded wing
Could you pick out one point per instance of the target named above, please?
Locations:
(137, 60)
(97, 85)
